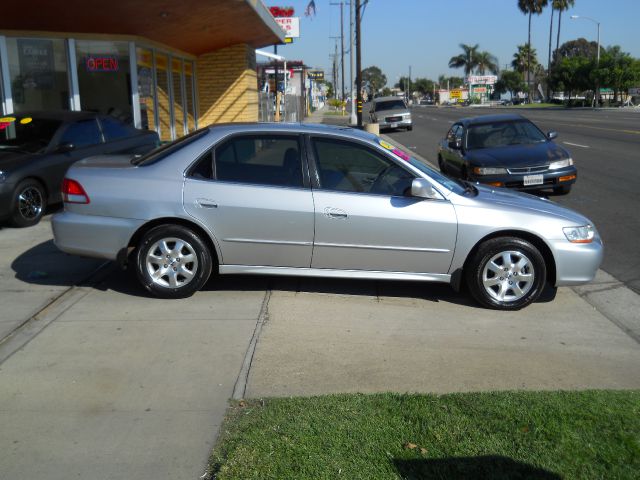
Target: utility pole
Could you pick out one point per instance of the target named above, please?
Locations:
(277, 93)
(409, 86)
(341, 43)
(354, 118)
(358, 64)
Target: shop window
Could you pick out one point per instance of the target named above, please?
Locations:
(104, 78)
(146, 88)
(178, 97)
(190, 105)
(38, 74)
(164, 105)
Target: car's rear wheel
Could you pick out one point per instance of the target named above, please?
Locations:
(506, 273)
(172, 261)
(29, 203)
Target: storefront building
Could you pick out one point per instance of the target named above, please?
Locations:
(166, 66)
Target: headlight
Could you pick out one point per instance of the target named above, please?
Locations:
(3, 176)
(567, 162)
(582, 234)
(489, 170)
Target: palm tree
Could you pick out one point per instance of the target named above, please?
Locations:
(529, 7)
(523, 57)
(486, 61)
(561, 6)
(467, 60)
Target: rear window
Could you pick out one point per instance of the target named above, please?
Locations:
(114, 129)
(164, 151)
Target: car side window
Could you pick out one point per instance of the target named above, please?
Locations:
(113, 129)
(83, 133)
(350, 167)
(260, 159)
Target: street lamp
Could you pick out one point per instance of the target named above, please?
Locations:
(597, 93)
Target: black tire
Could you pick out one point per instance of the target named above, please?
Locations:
(28, 204)
(187, 268)
(409, 128)
(563, 190)
(514, 288)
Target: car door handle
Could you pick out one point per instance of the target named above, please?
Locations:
(335, 212)
(206, 203)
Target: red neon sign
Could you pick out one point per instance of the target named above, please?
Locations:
(102, 64)
(282, 11)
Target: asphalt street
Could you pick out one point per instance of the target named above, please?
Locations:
(605, 145)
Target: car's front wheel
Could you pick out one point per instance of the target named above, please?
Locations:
(29, 203)
(506, 273)
(172, 261)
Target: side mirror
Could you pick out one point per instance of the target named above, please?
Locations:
(65, 147)
(456, 144)
(551, 135)
(421, 188)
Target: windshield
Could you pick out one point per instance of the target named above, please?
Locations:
(502, 134)
(26, 134)
(447, 182)
(390, 105)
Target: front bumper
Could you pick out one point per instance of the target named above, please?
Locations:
(91, 235)
(550, 179)
(577, 263)
(6, 198)
(405, 122)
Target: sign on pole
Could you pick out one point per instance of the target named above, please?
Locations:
(291, 26)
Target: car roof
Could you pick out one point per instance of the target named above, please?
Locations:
(295, 128)
(385, 99)
(61, 115)
(490, 119)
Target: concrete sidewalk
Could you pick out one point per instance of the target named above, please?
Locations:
(105, 382)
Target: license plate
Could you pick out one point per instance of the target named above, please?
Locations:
(533, 180)
(394, 125)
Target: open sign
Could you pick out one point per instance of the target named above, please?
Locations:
(102, 64)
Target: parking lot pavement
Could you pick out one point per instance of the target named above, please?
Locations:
(124, 386)
(33, 272)
(410, 337)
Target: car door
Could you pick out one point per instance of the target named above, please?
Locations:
(365, 218)
(252, 194)
(453, 156)
(77, 140)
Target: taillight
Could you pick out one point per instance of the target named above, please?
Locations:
(72, 192)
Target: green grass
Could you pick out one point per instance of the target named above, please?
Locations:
(537, 105)
(541, 435)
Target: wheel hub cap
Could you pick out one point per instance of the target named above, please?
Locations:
(30, 203)
(171, 262)
(508, 276)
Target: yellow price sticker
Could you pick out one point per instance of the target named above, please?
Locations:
(386, 145)
(7, 119)
(26, 120)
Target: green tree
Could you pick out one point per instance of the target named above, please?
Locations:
(423, 85)
(486, 62)
(374, 77)
(573, 75)
(529, 7)
(522, 57)
(580, 47)
(467, 60)
(560, 6)
(510, 81)
(618, 70)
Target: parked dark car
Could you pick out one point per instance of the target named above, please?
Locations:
(37, 148)
(506, 151)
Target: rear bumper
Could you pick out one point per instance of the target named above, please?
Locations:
(92, 236)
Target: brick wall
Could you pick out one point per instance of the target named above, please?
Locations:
(227, 86)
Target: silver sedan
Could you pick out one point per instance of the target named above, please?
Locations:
(316, 201)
